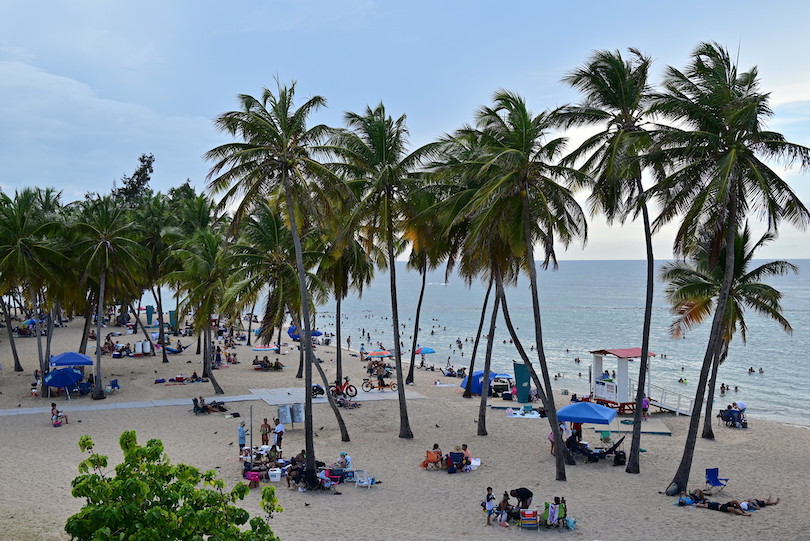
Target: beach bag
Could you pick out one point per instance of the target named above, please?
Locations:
(506, 395)
(452, 469)
(570, 523)
(620, 458)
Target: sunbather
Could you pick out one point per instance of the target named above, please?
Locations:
(731, 507)
(754, 504)
(691, 498)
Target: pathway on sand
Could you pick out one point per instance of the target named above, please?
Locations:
(273, 397)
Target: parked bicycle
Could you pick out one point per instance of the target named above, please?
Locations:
(345, 388)
(369, 384)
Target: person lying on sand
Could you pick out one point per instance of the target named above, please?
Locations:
(731, 507)
(754, 504)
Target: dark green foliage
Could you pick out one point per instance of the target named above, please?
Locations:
(149, 498)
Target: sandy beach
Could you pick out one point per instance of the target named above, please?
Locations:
(39, 461)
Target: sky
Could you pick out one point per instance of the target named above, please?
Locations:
(87, 86)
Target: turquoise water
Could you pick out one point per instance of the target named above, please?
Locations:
(590, 305)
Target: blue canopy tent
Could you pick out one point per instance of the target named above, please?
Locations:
(71, 358)
(586, 412)
(478, 380)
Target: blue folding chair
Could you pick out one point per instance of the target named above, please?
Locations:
(114, 386)
(713, 481)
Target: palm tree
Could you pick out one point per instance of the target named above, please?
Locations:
(109, 249)
(715, 175)
(28, 257)
(521, 186)
(694, 286)
(273, 158)
(206, 265)
(617, 96)
(373, 154)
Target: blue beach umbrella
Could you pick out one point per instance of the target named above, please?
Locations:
(64, 377)
(424, 350)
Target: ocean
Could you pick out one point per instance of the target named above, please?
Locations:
(586, 306)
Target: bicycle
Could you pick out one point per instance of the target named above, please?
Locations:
(368, 385)
(345, 388)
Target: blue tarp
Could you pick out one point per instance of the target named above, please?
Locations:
(586, 412)
(71, 358)
(293, 333)
(478, 380)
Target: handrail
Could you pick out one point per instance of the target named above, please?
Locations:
(677, 402)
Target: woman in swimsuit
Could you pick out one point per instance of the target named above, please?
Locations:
(731, 507)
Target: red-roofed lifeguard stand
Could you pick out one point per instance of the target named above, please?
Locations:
(614, 391)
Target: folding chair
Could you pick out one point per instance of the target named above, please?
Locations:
(433, 461)
(713, 481)
(529, 518)
(114, 386)
(363, 479)
(605, 437)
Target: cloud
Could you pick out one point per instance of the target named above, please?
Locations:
(59, 132)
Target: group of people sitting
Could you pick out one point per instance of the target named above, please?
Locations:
(736, 507)
(326, 478)
(734, 415)
(554, 514)
(266, 364)
(201, 406)
(451, 372)
(459, 459)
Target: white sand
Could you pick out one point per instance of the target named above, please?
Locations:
(39, 461)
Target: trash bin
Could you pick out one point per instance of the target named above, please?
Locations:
(284, 414)
(297, 413)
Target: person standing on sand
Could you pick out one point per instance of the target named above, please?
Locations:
(489, 505)
(242, 431)
(265, 430)
(278, 434)
(349, 342)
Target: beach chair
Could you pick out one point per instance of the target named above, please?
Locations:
(713, 481)
(113, 386)
(363, 479)
(85, 387)
(455, 459)
(529, 518)
(433, 461)
(604, 437)
(553, 516)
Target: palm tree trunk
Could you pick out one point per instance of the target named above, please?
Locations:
(404, 423)
(306, 343)
(339, 348)
(300, 373)
(98, 389)
(88, 320)
(482, 409)
(199, 344)
(250, 323)
(50, 335)
(548, 396)
(43, 365)
(634, 461)
(7, 318)
(207, 362)
(681, 479)
(468, 387)
(143, 329)
(423, 270)
(162, 331)
(708, 433)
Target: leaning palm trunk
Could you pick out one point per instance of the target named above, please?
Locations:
(409, 379)
(50, 336)
(548, 396)
(338, 349)
(633, 461)
(98, 390)
(344, 432)
(708, 433)
(88, 320)
(482, 408)
(404, 423)
(522, 353)
(7, 318)
(681, 479)
(306, 342)
(43, 365)
(207, 368)
(250, 323)
(162, 330)
(468, 387)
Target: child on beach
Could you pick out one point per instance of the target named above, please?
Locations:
(489, 505)
(503, 510)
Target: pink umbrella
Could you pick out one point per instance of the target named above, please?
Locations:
(381, 353)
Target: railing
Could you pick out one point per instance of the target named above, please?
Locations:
(666, 399)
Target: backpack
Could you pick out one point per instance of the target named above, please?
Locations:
(620, 458)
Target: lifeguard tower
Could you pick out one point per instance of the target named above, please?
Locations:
(614, 392)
